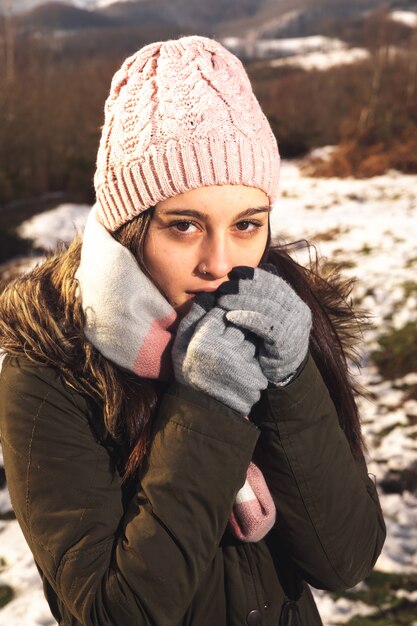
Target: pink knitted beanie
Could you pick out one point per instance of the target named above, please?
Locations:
(181, 114)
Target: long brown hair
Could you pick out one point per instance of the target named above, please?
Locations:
(41, 317)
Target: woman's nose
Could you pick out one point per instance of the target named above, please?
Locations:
(216, 261)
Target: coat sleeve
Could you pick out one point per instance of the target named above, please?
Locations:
(328, 514)
(109, 565)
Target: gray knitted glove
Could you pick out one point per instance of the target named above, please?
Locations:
(215, 357)
(263, 303)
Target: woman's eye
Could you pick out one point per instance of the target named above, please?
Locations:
(188, 227)
(247, 225)
(183, 226)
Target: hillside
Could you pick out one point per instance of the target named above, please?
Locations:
(61, 16)
(248, 18)
(293, 18)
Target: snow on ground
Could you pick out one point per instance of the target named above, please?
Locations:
(29, 607)
(368, 223)
(341, 610)
(5, 504)
(19, 6)
(285, 47)
(315, 52)
(50, 227)
(370, 227)
(409, 18)
(323, 60)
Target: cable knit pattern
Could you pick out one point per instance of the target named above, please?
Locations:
(181, 114)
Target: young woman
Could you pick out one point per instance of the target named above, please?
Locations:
(180, 437)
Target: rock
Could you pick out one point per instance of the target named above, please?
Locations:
(400, 481)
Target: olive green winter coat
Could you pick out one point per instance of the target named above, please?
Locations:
(160, 554)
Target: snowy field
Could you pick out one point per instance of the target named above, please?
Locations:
(370, 227)
(315, 52)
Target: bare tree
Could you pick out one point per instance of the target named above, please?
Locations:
(412, 70)
(9, 39)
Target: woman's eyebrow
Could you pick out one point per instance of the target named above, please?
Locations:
(202, 215)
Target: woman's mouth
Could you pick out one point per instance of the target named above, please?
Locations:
(205, 290)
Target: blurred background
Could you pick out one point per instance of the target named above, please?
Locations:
(338, 83)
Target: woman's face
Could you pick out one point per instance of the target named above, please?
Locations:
(210, 229)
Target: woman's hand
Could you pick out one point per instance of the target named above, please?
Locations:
(264, 304)
(215, 357)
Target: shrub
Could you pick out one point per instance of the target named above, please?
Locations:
(397, 355)
(11, 245)
(6, 595)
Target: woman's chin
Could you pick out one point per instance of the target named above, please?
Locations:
(183, 308)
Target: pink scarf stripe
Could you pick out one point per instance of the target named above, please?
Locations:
(254, 513)
(153, 357)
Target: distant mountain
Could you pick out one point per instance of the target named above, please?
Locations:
(295, 18)
(200, 17)
(247, 19)
(219, 10)
(57, 16)
(183, 15)
(203, 16)
(230, 7)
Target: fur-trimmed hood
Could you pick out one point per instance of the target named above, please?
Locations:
(40, 315)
